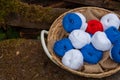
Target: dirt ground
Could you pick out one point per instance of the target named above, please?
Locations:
(25, 60)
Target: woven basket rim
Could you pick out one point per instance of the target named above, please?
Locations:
(54, 57)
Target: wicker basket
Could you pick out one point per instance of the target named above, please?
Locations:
(57, 32)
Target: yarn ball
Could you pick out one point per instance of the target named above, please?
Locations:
(109, 20)
(84, 23)
(72, 21)
(90, 54)
(79, 38)
(62, 46)
(94, 26)
(115, 53)
(100, 41)
(117, 41)
(73, 59)
(113, 34)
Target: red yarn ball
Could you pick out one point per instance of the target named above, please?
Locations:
(94, 26)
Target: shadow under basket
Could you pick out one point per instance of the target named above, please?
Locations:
(57, 32)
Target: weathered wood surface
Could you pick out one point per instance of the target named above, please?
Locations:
(19, 14)
(110, 4)
(18, 21)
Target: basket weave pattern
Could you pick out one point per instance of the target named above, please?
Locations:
(57, 32)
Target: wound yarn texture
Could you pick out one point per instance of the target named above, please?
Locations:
(79, 38)
(62, 46)
(73, 59)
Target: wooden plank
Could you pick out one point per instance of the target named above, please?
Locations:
(110, 4)
(58, 4)
(87, 2)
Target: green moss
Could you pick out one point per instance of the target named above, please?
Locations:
(30, 13)
(11, 43)
(35, 13)
(6, 7)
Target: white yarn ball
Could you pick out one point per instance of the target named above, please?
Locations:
(73, 59)
(79, 38)
(109, 20)
(84, 24)
(100, 41)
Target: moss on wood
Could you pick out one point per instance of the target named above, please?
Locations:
(15, 9)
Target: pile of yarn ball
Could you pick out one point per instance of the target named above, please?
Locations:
(87, 40)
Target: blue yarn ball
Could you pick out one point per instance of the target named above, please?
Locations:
(90, 54)
(113, 34)
(71, 21)
(62, 46)
(115, 53)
